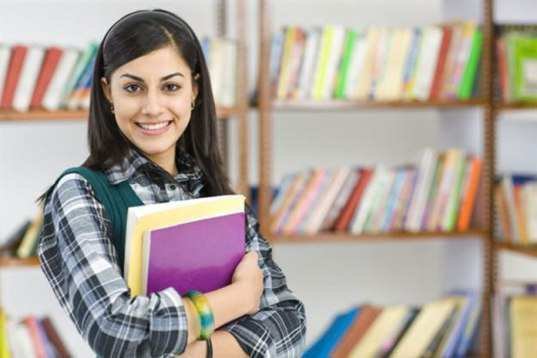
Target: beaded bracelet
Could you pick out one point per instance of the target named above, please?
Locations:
(205, 314)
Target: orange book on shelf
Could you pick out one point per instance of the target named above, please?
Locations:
(470, 194)
(342, 223)
(16, 60)
(520, 214)
(438, 78)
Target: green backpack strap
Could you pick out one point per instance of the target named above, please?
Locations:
(116, 200)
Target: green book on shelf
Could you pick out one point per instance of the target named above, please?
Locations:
(343, 73)
(469, 75)
(524, 67)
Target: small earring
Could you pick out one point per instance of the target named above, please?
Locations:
(112, 108)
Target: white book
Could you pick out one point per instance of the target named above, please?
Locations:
(5, 52)
(530, 193)
(229, 82)
(365, 78)
(29, 72)
(54, 92)
(336, 51)
(368, 199)
(427, 60)
(20, 340)
(356, 65)
(391, 84)
(216, 68)
(308, 65)
(419, 198)
(318, 215)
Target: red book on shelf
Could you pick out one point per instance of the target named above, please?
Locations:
(349, 209)
(438, 78)
(54, 338)
(52, 57)
(16, 60)
(368, 315)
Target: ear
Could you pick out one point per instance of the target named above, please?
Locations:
(106, 89)
(195, 86)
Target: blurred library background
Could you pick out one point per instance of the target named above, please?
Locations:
(386, 146)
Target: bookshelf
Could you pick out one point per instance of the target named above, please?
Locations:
(269, 107)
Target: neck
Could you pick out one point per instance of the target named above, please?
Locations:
(166, 161)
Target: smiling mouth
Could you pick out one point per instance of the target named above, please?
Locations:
(153, 126)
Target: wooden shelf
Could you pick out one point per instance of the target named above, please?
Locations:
(43, 115)
(339, 105)
(503, 106)
(521, 249)
(399, 236)
(16, 262)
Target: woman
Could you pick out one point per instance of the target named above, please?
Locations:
(152, 128)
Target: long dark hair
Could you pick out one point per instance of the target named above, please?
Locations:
(135, 35)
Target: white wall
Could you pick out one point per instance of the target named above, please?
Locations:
(328, 277)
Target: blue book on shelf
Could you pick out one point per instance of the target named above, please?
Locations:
(329, 340)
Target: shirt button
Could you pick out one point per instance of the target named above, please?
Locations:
(173, 187)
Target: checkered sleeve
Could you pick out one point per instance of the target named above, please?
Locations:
(278, 329)
(79, 261)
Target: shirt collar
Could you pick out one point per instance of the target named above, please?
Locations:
(188, 170)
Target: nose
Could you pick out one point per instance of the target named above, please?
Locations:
(152, 106)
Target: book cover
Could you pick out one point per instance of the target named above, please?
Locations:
(200, 255)
(157, 216)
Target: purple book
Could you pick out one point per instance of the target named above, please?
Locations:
(200, 255)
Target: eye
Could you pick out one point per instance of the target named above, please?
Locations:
(132, 88)
(171, 87)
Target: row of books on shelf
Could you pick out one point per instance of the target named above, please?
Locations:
(438, 194)
(22, 243)
(435, 62)
(515, 201)
(54, 77)
(30, 337)
(447, 327)
(514, 317)
(516, 50)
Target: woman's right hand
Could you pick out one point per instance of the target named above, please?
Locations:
(249, 277)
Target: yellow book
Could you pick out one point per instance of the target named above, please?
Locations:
(29, 241)
(4, 342)
(523, 317)
(283, 81)
(365, 80)
(322, 64)
(424, 329)
(387, 322)
(150, 217)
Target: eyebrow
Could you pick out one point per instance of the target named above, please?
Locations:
(162, 79)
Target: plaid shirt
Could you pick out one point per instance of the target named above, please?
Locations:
(79, 260)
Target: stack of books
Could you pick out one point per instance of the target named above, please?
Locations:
(435, 62)
(444, 328)
(515, 201)
(30, 337)
(436, 195)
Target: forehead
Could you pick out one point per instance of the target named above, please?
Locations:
(157, 63)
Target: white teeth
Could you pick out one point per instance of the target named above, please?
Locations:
(153, 127)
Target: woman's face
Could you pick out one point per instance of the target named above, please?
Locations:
(152, 97)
